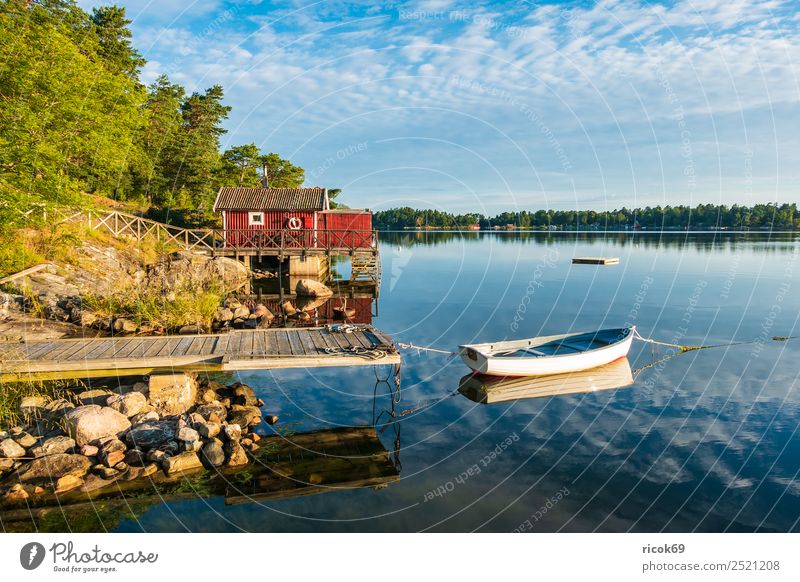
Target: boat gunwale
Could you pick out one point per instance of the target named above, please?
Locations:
(628, 331)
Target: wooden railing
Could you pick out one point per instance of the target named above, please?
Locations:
(219, 241)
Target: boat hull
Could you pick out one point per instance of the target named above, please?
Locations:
(480, 359)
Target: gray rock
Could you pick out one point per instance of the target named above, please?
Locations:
(10, 449)
(188, 435)
(190, 330)
(89, 450)
(172, 394)
(187, 461)
(150, 434)
(241, 312)
(52, 467)
(235, 454)
(208, 430)
(129, 404)
(54, 445)
(224, 314)
(136, 458)
(233, 432)
(111, 458)
(55, 410)
(156, 456)
(212, 453)
(83, 317)
(144, 417)
(89, 423)
(25, 439)
(216, 409)
(122, 325)
(111, 444)
(191, 445)
(244, 415)
(243, 395)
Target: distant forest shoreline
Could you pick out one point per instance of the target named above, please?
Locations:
(703, 217)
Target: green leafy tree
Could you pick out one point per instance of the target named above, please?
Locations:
(202, 117)
(240, 165)
(114, 39)
(156, 161)
(282, 173)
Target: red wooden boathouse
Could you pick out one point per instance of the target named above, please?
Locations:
(291, 219)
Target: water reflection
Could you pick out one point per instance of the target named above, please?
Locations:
(489, 389)
(777, 242)
(287, 465)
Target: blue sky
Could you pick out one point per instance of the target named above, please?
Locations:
(495, 106)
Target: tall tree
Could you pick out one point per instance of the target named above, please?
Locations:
(282, 173)
(202, 114)
(240, 165)
(114, 40)
(157, 157)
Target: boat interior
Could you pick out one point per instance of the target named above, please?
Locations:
(568, 345)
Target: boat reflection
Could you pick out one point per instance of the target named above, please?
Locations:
(491, 389)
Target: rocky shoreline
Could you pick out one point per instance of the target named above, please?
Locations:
(58, 294)
(166, 426)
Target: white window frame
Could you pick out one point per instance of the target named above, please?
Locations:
(251, 222)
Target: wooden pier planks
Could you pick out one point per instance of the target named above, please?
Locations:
(237, 350)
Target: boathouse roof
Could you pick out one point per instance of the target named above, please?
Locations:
(271, 199)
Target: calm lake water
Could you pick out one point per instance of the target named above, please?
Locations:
(707, 441)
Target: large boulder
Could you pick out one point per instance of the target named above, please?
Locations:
(92, 422)
(312, 288)
(51, 468)
(183, 271)
(172, 393)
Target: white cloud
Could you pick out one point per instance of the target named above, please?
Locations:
(579, 104)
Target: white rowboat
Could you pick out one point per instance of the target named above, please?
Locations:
(553, 354)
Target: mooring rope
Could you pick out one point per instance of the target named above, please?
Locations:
(425, 349)
(371, 353)
(682, 348)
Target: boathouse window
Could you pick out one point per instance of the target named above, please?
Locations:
(255, 218)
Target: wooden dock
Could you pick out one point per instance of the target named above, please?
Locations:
(595, 261)
(237, 350)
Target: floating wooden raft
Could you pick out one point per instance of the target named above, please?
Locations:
(237, 350)
(596, 260)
